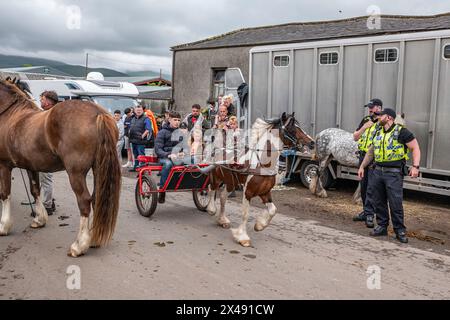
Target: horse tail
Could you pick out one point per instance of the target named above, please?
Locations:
(107, 181)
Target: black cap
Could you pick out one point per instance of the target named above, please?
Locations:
(374, 102)
(389, 112)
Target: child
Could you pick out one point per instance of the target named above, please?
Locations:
(195, 143)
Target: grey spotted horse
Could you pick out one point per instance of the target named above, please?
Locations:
(337, 144)
(332, 144)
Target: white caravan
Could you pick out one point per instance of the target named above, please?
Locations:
(110, 95)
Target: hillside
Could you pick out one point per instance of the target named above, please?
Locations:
(7, 61)
(150, 74)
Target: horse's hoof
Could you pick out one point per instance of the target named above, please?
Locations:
(36, 225)
(211, 213)
(4, 230)
(259, 227)
(74, 252)
(225, 225)
(245, 243)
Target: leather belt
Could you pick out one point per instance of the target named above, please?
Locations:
(388, 169)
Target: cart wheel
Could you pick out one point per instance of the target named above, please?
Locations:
(146, 204)
(201, 199)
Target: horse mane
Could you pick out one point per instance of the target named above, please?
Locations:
(16, 92)
(259, 128)
(261, 124)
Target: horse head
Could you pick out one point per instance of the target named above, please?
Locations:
(400, 119)
(291, 132)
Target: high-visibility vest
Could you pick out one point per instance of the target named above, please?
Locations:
(152, 118)
(386, 147)
(365, 140)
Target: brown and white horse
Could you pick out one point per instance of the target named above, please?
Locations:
(75, 136)
(263, 149)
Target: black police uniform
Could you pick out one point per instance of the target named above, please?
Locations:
(386, 186)
(368, 208)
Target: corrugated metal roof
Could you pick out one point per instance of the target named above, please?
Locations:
(320, 30)
(157, 95)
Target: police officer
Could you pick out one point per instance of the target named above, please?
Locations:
(389, 150)
(363, 135)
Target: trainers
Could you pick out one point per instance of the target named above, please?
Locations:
(360, 217)
(50, 211)
(401, 236)
(369, 221)
(379, 231)
(127, 165)
(162, 197)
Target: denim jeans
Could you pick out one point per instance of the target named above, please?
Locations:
(138, 150)
(167, 165)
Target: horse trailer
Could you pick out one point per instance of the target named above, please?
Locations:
(327, 83)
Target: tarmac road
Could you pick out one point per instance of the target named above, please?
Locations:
(181, 254)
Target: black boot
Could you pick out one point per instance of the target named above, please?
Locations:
(401, 236)
(162, 197)
(369, 221)
(360, 217)
(379, 231)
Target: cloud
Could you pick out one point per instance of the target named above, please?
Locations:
(141, 32)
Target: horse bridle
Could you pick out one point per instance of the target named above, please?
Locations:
(286, 134)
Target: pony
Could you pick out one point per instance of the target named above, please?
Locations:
(339, 145)
(256, 172)
(75, 136)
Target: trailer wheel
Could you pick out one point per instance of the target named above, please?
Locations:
(309, 169)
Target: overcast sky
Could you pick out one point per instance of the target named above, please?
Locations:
(138, 34)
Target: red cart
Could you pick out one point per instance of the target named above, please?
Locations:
(181, 179)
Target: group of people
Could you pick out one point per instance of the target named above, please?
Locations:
(383, 151)
(137, 129)
(184, 146)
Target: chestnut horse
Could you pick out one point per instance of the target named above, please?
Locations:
(263, 152)
(75, 136)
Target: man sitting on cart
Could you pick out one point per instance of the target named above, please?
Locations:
(164, 148)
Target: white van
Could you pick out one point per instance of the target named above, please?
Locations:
(110, 95)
